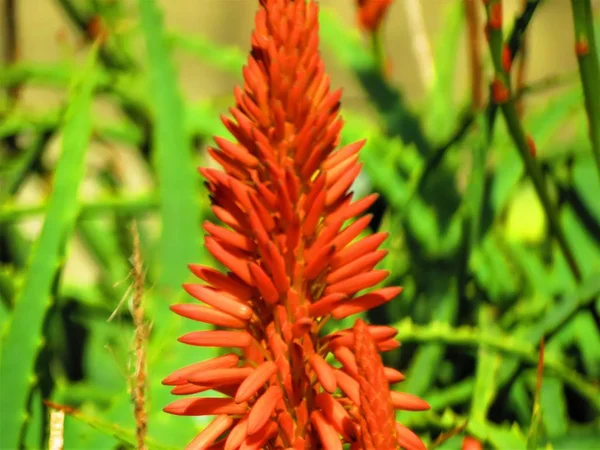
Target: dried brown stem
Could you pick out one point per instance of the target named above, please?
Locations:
(10, 38)
(474, 43)
(138, 391)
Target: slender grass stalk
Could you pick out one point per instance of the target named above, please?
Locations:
(589, 71)
(138, 391)
(378, 50)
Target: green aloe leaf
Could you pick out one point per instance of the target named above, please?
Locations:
(178, 184)
(488, 363)
(180, 214)
(22, 337)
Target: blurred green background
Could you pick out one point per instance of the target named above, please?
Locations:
(92, 139)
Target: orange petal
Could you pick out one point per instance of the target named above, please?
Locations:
(337, 171)
(205, 407)
(330, 439)
(208, 315)
(267, 195)
(345, 356)
(228, 217)
(354, 209)
(237, 152)
(386, 346)
(278, 271)
(219, 300)
(361, 264)
(352, 231)
(262, 213)
(318, 262)
(392, 375)
(263, 408)
(237, 435)
(380, 333)
(408, 402)
(324, 305)
(217, 338)
(313, 215)
(187, 389)
(324, 372)
(259, 439)
(359, 248)
(348, 385)
(264, 284)
(237, 265)
(255, 381)
(180, 376)
(221, 376)
(407, 439)
(301, 327)
(337, 415)
(229, 237)
(331, 228)
(342, 185)
(358, 283)
(366, 302)
(222, 282)
(343, 154)
(210, 434)
(287, 426)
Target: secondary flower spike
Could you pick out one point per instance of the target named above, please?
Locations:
(289, 242)
(371, 13)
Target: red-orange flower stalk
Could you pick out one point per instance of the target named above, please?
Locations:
(379, 429)
(291, 262)
(371, 13)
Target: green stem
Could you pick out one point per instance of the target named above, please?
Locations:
(515, 129)
(583, 19)
(533, 169)
(470, 337)
(17, 176)
(378, 50)
(138, 205)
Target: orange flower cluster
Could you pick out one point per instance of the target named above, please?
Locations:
(292, 263)
(371, 13)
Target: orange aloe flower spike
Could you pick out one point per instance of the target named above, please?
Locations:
(282, 200)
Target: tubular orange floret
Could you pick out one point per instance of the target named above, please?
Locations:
(377, 403)
(291, 258)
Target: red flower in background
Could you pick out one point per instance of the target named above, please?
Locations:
(371, 13)
(291, 264)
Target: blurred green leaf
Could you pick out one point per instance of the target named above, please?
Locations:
(228, 59)
(180, 217)
(22, 336)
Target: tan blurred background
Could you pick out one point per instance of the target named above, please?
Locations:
(230, 22)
